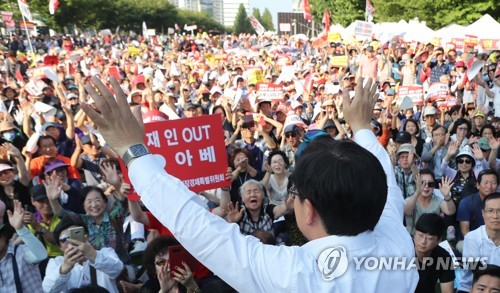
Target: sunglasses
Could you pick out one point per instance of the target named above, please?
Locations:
(161, 262)
(292, 134)
(431, 184)
(63, 239)
(464, 161)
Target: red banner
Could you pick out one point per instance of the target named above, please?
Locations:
(459, 43)
(470, 41)
(489, 44)
(307, 10)
(437, 91)
(193, 149)
(415, 92)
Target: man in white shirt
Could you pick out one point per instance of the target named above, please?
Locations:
(74, 269)
(484, 242)
(367, 224)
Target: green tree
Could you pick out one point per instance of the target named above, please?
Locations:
(343, 12)
(267, 20)
(242, 22)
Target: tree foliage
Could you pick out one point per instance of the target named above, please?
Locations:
(267, 20)
(437, 14)
(256, 14)
(128, 14)
(242, 22)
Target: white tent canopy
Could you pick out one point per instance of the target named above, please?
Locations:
(451, 31)
(484, 28)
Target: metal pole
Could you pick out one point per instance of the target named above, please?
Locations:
(28, 35)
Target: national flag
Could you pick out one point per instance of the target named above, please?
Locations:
(326, 20)
(53, 4)
(370, 10)
(257, 26)
(307, 10)
(25, 9)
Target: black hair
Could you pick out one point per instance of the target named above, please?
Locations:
(219, 107)
(486, 172)
(490, 127)
(455, 108)
(327, 174)
(416, 125)
(247, 153)
(439, 127)
(489, 270)
(66, 222)
(264, 236)
(155, 247)
(7, 230)
(494, 195)
(89, 289)
(431, 223)
(459, 122)
(282, 154)
(45, 137)
(88, 189)
(427, 171)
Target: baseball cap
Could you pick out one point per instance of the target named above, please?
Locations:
(4, 167)
(291, 128)
(406, 148)
(38, 192)
(50, 166)
(188, 106)
(483, 144)
(479, 113)
(403, 137)
(390, 92)
(49, 124)
(429, 110)
(369, 48)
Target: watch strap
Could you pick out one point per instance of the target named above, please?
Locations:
(134, 152)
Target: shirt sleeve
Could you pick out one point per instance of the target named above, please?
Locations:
(446, 275)
(107, 261)
(243, 262)
(53, 280)
(35, 252)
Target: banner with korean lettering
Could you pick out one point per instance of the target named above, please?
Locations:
(339, 61)
(193, 150)
(490, 44)
(363, 29)
(9, 23)
(415, 92)
(437, 91)
(270, 91)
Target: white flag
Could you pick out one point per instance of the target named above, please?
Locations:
(144, 29)
(25, 9)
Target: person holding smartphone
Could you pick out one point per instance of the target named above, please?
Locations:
(81, 263)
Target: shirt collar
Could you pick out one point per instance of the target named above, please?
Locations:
(351, 243)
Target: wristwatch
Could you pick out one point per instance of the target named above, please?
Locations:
(134, 152)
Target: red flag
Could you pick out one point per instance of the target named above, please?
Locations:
(53, 4)
(307, 10)
(326, 21)
(19, 76)
(469, 64)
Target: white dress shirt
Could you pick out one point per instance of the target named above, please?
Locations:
(478, 244)
(249, 266)
(107, 264)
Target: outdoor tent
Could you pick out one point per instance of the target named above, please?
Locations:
(484, 28)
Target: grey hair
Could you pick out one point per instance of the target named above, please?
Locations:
(251, 181)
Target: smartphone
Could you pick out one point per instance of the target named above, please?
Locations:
(77, 234)
(177, 254)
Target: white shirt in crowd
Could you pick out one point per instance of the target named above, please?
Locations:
(249, 266)
(107, 264)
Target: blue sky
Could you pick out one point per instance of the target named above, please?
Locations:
(274, 6)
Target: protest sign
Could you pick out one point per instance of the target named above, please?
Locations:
(334, 37)
(192, 149)
(113, 71)
(30, 26)
(414, 92)
(50, 60)
(259, 29)
(338, 61)
(32, 89)
(254, 75)
(470, 41)
(133, 50)
(490, 44)
(270, 91)
(25, 9)
(437, 91)
(459, 43)
(363, 29)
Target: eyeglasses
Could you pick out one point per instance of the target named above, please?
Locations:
(464, 161)
(64, 238)
(430, 184)
(293, 192)
(291, 134)
(492, 211)
(161, 262)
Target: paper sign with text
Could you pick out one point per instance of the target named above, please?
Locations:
(193, 149)
(437, 91)
(363, 29)
(270, 91)
(254, 75)
(415, 93)
(338, 61)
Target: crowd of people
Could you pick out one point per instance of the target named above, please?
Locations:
(57, 172)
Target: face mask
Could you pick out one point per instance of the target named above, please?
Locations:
(9, 135)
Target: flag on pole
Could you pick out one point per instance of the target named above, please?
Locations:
(144, 29)
(326, 20)
(307, 10)
(53, 4)
(177, 28)
(370, 10)
(19, 76)
(257, 26)
(25, 9)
